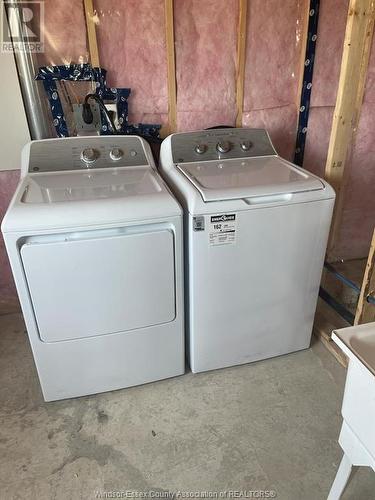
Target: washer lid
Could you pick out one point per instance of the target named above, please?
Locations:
(246, 178)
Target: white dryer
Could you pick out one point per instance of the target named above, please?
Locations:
(94, 238)
(256, 229)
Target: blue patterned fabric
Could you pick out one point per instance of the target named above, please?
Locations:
(85, 72)
(304, 109)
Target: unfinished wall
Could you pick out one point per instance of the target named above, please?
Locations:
(64, 33)
(132, 47)
(329, 44)
(358, 218)
(273, 69)
(131, 42)
(205, 38)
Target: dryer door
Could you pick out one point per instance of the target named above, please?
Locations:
(100, 282)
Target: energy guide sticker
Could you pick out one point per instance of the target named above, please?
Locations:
(222, 230)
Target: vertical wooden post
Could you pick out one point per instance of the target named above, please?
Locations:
(354, 63)
(366, 312)
(241, 60)
(91, 33)
(171, 69)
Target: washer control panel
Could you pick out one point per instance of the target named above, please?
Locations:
(218, 144)
(86, 152)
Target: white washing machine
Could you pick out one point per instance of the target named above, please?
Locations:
(256, 229)
(94, 238)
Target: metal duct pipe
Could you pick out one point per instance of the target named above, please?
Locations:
(34, 98)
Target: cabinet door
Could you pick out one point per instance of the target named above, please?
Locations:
(97, 285)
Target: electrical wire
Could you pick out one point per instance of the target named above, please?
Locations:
(87, 117)
(87, 113)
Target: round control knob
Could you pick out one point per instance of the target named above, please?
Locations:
(200, 148)
(116, 154)
(89, 155)
(246, 145)
(223, 146)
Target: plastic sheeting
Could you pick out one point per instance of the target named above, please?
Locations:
(132, 48)
(273, 65)
(64, 33)
(206, 39)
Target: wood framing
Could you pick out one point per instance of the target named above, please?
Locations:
(354, 63)
(241, 60)
(91, 33)
(171, 70)
(366, 312)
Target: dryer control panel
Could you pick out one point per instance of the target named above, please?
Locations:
(218, 144)
(76, 153)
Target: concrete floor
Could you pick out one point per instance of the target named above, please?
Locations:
(271, 425)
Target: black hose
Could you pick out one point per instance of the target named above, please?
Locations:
(87, 113)
(87, 117)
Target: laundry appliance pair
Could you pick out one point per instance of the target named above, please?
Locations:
(95, 240)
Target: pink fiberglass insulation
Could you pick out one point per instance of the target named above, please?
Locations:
(331, 34)
(205, 38)
(273, 60)
(358, 217)
(329, 44)
(280, 123)
(369, 96)
(359, 212)
(64, 33)
(132, 48)
(317, 140)
(131, 41)
(8, 183)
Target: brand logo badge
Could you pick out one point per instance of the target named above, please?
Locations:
(22, 27)
(223, 217)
